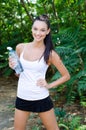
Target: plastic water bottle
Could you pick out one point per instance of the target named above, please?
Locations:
(18, 67)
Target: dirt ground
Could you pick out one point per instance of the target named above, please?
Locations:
(8, 88)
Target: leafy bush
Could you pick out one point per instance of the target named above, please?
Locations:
(67, 121)
(82, 127)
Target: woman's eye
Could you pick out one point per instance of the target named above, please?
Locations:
(43, 30)
(35, 28)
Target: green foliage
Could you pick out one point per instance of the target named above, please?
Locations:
(73, 56)
(82, 127)
(67, 121)
(60, 112)
(36, 128)
(14, 29)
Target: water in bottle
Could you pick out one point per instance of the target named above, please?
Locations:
(18, 67)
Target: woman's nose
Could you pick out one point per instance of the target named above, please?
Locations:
(38, 32)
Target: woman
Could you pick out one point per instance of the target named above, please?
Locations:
(33, 89)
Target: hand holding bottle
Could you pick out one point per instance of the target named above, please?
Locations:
(14, 61)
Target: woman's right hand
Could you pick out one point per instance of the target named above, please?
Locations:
(12, 63)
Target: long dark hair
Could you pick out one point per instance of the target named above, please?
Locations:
(48, 40)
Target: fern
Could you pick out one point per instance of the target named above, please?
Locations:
(35, 128)
(70, 45)
(67, 121)
(74, 123)
(82, 127)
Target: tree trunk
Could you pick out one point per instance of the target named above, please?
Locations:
(26, 10)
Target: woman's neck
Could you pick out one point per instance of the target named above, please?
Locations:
(38, 44)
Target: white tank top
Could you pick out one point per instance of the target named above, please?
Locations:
(33, 70)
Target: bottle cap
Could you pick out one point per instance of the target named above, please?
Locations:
(9, 48)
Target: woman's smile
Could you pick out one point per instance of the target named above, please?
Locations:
(38, 36)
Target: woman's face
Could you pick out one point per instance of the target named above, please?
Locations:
(39, 30)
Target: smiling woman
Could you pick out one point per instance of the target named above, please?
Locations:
(33, 89)
(39, 30)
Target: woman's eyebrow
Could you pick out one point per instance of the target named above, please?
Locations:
(40, 28)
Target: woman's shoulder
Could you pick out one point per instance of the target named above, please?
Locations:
(20, 47)
(54, 56)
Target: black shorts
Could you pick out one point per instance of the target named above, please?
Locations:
(34, 106)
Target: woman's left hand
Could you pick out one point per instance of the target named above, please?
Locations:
(42, 83)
